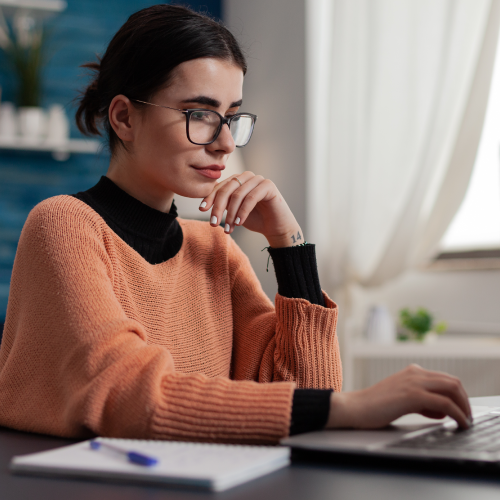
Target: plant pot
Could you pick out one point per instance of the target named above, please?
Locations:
(31, 123)
(431, 337)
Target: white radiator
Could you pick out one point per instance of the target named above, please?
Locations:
(480, 377)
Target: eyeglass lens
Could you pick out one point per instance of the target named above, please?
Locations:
(203, 126)
(241, 129)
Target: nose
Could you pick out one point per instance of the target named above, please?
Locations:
(225, 142)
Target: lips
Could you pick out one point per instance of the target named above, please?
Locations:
(210, 167)
(210, 171)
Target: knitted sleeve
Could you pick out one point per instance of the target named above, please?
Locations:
(293, 341)
(297, 273)
(297, 276)
(73, 363)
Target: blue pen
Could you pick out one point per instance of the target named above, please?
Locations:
(133, 456)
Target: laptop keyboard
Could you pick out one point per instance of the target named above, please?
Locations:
(484, 435)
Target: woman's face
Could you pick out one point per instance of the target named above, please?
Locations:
(160, 150)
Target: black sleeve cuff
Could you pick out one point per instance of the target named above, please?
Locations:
(297, 273)
(310, 410)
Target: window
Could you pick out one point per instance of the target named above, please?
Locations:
(475, 230)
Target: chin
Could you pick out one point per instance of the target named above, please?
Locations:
(197, 191)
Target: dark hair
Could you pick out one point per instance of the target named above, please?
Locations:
(142, 55)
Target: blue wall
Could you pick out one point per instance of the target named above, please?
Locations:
(82, 30)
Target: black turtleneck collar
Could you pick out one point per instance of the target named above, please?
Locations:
(155, 235)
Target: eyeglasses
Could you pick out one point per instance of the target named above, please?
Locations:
(203, 126)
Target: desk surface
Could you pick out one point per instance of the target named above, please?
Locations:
(300, 481)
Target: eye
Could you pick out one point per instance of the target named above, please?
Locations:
(201, 115)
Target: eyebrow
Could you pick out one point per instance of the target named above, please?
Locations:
(210, 101)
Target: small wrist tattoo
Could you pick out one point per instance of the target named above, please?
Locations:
(297, 238)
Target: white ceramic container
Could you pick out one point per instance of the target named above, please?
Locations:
(381, 328)
(31, 123)
(57, 125)
(8, 121)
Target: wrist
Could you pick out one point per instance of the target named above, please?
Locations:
(291, 238)
(340, 411)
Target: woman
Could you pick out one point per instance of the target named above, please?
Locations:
(126, 321)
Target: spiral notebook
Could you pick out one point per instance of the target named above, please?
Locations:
(207, 466)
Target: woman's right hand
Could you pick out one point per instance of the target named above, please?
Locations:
(412, 390)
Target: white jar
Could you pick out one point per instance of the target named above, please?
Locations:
(57, 125)
(31, 123)
(381, 328)
(8, 121)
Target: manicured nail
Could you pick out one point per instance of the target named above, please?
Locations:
(203, 204)
(213, 220)
(227, 228)
(237, 221)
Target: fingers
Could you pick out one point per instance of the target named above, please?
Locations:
(438, 404)
(207, 202)
(240, 207)
(238, 200)
(449, 386)
(251, 190)
(226, 187)
(433, 414)
(444, 386)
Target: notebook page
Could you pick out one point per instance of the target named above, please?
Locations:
(204, 465)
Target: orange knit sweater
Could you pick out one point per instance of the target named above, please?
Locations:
(99, 341)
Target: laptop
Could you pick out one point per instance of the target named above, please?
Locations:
(414, 437)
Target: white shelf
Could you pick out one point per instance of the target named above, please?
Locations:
(456, 348)
(60, 151)
(39, 8)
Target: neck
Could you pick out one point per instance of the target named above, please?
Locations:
(139, 186)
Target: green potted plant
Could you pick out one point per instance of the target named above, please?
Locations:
(23, 47)
(419, 325)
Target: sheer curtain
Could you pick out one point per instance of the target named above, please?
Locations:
(397, 91)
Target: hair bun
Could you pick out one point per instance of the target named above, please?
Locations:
(90, 110)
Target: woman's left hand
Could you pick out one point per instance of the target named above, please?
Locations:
(257, 205)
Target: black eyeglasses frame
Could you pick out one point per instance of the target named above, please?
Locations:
(223, 121)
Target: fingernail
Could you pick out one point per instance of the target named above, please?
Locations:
(227, 228)
(213, 220)
(203, 204)
(237, 221)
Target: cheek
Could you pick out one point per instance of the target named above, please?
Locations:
(166, 150)
(167, 138)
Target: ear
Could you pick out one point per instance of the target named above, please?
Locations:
(122, 117)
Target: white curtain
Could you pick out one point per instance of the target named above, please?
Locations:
(397, 91)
